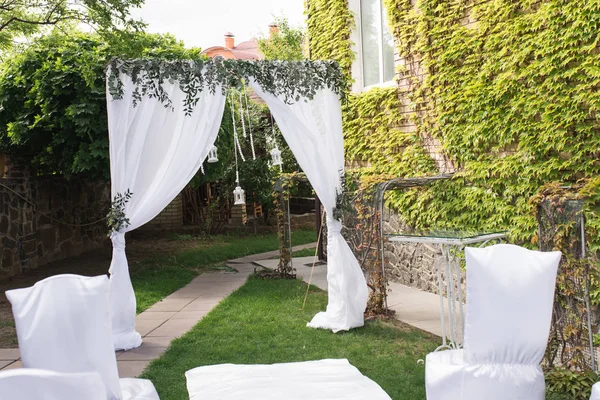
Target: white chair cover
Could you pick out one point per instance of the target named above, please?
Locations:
(63, 324)
(595, 392)
(510, 293)
(38, 384)
(323, 380)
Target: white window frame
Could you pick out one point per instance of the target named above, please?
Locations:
(356, 38)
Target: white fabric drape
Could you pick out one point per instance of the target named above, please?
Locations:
(313, 130)
(154, 152)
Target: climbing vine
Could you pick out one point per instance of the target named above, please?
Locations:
(330, 23)
(505, 93)
(487, 86)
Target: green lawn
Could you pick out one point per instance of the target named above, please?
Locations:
(262, 322)
(155, 278)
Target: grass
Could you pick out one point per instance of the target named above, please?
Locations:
(262, 323)
(155, 278)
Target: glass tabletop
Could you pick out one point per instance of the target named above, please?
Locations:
(445, 234)
(458, 238)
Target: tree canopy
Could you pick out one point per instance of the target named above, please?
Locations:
(53, 98)
(287, 44)
(21, 18)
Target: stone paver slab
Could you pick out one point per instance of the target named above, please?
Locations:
(201, 305)
(5, 364)
(131, 369)
(170, 305)
(156, 315)
(145, 326)
(197, 315)
(142, 353)
(157, 341)
(13, 365)
(9, 354)
(174, 327)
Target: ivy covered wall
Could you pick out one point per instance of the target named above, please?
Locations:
(507, 92)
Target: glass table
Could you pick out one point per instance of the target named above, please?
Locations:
(452, 244)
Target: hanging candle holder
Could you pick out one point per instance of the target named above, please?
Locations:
(276, 157)
(239, 196)
(212, 155)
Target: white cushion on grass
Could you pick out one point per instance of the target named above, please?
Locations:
(322, 380)
(37, 384)
(63, 325)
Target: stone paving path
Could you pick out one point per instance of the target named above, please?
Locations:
(174, 315)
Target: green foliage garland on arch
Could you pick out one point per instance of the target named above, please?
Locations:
(292, 80)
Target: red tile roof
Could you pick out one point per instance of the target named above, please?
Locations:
(244, 51)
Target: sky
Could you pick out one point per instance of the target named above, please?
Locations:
(202, 23)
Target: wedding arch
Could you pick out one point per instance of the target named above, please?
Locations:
(164, 117)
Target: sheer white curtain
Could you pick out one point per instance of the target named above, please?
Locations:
(313, 130)
(154, 152)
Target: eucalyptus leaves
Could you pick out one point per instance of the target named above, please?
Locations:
(292, 80)
(116, 218)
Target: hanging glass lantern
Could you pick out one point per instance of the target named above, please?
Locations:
(239, 196)
(212, 155)
(276, 157)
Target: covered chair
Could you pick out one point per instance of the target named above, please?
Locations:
(595, 392)
(510, 293)
(38, 384)
(63, 325)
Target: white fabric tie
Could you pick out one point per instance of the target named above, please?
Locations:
(334, 227)
(118, 240)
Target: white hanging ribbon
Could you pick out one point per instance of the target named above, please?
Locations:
(236, 144)
(236, 140)
(249, 124)
(242, 114)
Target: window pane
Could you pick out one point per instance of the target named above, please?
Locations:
(370, 24)
(388, 48)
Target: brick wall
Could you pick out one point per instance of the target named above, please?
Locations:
(171, 217)
(238, 215)
(28, 237)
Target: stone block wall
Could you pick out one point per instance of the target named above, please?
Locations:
(30, 208)
(413, 264)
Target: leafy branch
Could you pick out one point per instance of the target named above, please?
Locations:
(116, 218)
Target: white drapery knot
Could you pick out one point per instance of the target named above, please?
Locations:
(334, 227)
(118, 240)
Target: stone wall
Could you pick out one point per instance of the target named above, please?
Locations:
(413, 264)
(30, 208)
